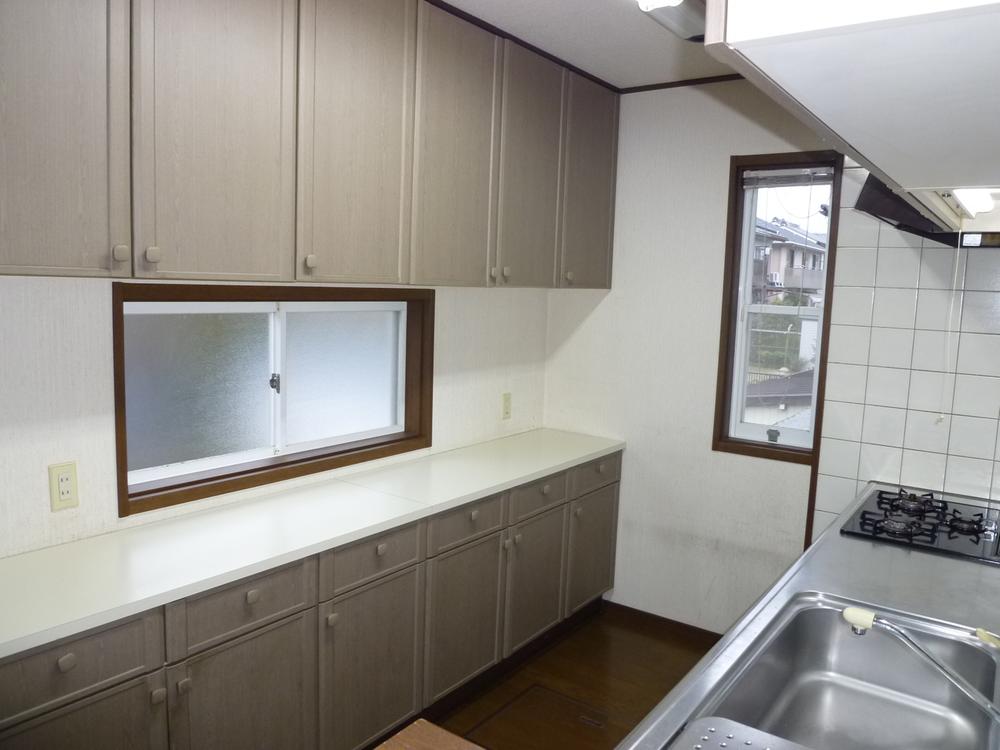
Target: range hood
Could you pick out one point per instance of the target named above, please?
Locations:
(906, 89)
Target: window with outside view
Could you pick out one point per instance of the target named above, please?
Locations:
(776, 290)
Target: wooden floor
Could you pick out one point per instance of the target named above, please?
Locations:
(588, 689)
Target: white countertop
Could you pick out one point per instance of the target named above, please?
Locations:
(59, 591)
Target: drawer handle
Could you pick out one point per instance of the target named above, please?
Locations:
(253, 596)
(546, 489)
(506, 543)
(381, 548)
(184, 686)
(601, 468)
(473, 515)
(66, 662)
(157, 696)
(578, 511)
(331, 619)
(517, 538)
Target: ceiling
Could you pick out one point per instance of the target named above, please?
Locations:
(611, 39)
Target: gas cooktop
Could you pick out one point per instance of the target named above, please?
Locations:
(947, 525)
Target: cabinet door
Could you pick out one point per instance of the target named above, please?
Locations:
(214, 138)
(64, 137)
(455, 150)
(258, 691)
(534, 578)
(593, 529)
(464, 589)
(370, 660)
(588, 185)
(530, 137)
(131, 716)
(356, 81)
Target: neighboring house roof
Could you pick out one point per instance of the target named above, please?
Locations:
(782, 231)
(782, 388)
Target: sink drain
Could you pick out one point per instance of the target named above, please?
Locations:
(714, 732)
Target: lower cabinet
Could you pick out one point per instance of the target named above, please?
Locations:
(370, 660)
(131, 716)
(256, 691)
(593, 527)
(464, 600)
(534, 577)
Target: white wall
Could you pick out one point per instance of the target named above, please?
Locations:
(57, 402)
(913, 381)
(702, 533)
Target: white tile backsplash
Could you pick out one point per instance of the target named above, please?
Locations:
(891, 347)
(855, 266)
(846, 382)
(887, 386)
(849, 344)
(968, 476)
(973, 437)
(897, 266)
(894, 308)
(939, 309)
(884, 426)
(833, 494)
(931, 410)
(942, 267)
(983, 270)
(822, 520)
(852, 306)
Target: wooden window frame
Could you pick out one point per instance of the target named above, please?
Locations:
(721, 439)
(418, 392)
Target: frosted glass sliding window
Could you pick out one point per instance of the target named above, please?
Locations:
(212, 385)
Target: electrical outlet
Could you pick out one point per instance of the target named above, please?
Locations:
(62, 486)
(506, 406)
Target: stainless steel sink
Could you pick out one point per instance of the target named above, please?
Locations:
(808, 679)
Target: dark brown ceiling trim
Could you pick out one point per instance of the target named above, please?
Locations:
(678, 84)
(505, 35)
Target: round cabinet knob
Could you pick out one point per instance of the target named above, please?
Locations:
(381, 548)
(66, 662)
(184, 686)
(506, 543)
(577, 511)
(121, 253)
(154, 255)
(517, 538)
(312, 261)
(253, 596)
(570, 277)
(546, 489)
(473, 515)
(506, 272)
(157, 696)
(601, 468)
(493, 272)
(331, 619)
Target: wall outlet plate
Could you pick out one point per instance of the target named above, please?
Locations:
(62, 486)
(506, 398)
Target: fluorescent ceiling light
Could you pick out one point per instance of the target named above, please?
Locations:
(648, 5)
(974, 200)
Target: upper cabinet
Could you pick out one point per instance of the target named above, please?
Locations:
(214, 138)
(588, 195)
(356, 82)
(456, 150)
(530, 139)
(64, 137)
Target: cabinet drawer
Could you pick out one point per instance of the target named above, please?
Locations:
(594, 474)
(347, 567)
(529, 499)
(464, 524)
(52, 675)
(195, 623)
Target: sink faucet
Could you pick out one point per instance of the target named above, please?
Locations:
(862, 620)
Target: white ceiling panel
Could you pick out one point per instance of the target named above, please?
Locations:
(611, 39)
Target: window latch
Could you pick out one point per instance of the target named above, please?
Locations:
(275, 382)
